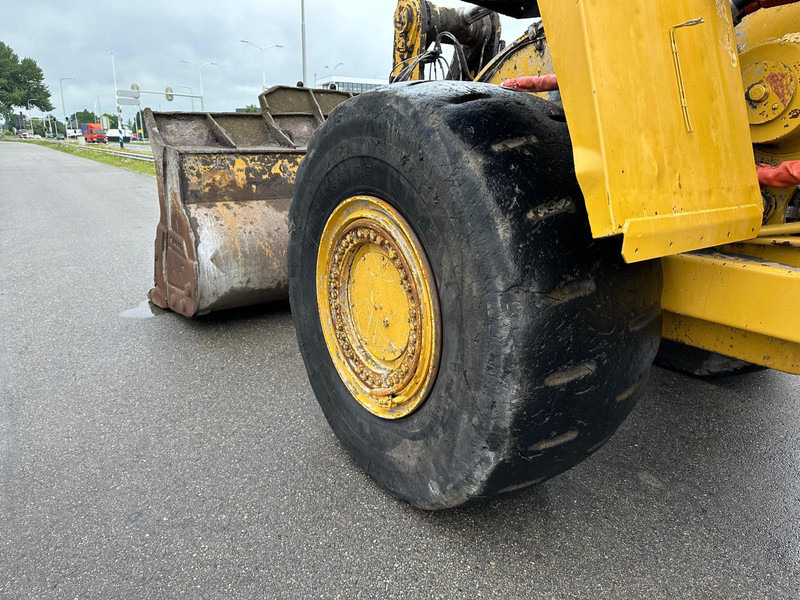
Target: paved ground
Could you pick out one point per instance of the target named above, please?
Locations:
(146, 456)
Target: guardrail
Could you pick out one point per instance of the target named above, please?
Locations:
(131, 155)
(134, 156)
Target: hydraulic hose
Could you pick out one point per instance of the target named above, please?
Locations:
(742, 8)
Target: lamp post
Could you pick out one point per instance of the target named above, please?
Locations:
(186, 87)
(263, 52)
(30, 118)
(119, 108)
(333, 68)
(200, 70)
(303, 30)
(63, 105)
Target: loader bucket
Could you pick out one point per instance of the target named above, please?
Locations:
(225, 182)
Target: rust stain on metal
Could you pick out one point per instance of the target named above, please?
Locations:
(225, 182)
(229, 217)
(782, 84)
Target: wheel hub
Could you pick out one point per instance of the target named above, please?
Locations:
(378, 307)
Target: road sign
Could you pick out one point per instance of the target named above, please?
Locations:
(169, 94)
(127, 94)
(135, 88)
(105, 123)
(128, 101)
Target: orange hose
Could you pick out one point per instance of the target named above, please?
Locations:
(533, 83)
(786, 174)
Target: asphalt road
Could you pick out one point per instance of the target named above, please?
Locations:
(143, 455)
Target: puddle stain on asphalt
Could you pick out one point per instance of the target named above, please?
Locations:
(144, 310)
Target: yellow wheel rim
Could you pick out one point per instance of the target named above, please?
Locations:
(378, 307)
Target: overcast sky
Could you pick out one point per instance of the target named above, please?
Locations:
(150, 39)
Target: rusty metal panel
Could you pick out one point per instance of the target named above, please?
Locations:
(234, 177)
(225, 182)
(241, 252)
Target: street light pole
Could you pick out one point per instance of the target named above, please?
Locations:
(30, 118)
(200, 69)
(263, 62)
(303, 27)
(186, 87)
(119, 108)
(63, 105)
(333, 70)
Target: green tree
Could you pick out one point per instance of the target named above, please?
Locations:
(87, 116)
(37, 126)
(20, 81)
(112, 120)
(83, 116)
(139, 116)
(251, 108)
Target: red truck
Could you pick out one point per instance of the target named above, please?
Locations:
(93, 133)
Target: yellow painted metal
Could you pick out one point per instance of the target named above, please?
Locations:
(409, 39)
(765, 102)
(779, 250)
(771, 72)
(766, 25)
(676, 59)
(745, 345)
(643, 174)
(786, 242)
(742, 287)
(764, 37)
(378, 307)
(783, 229)
(528, 55)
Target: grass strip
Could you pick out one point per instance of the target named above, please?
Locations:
(137, 166)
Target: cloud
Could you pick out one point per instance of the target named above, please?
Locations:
(150, 39)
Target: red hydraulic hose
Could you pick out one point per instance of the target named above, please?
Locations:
(533, 83)
(786, 174)
(756, 4)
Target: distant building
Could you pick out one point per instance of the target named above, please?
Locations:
(351, 84)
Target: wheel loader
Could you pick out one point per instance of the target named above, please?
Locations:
(483, 256)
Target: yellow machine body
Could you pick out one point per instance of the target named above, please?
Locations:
(654, 100)
(740, 300)
(669, 107)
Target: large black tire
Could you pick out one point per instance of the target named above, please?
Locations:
(701, 363)
(547, 336)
